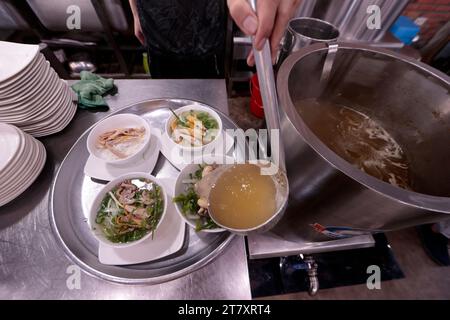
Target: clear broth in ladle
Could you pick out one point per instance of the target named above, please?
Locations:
(243, 198)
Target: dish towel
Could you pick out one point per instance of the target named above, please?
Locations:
(91, 89)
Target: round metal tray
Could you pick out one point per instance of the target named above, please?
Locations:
(73, 192)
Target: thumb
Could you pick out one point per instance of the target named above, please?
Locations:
(244, 16)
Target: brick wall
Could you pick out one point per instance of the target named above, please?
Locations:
(436, 12)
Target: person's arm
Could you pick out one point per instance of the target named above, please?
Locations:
(273, 17)
(137, 23)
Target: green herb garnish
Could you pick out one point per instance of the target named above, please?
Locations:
(130, 221)
(188, 202)
(208, 121)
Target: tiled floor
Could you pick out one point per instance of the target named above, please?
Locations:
(423, 278)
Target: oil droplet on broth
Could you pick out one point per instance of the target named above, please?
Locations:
(242, 198)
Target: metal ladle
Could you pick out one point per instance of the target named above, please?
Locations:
(266, 77)
(263, 61)
(207, 183)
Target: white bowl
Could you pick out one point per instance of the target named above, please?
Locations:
(96, 228)
(180, 187)
(194, 107)
(126, 120)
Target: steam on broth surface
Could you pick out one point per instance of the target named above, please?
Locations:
(242, 198)
(358, 139)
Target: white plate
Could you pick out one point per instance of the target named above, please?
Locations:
(61, 108)
(22, 168)
(21, 78)
(38, 110)
(180, 158)
(43, 113)
(59, 124)
(21, 162)
(8, 169)
(168, 239)
(10, 142)
(50, 111)
(31, 87)
(22, 110)
(14, 57)
(97, 169)
(30, 177)
(43, 89)
(23, 187)
(29, 78)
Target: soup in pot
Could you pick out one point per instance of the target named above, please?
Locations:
(358, 139)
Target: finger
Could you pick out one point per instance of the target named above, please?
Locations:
(140, 36)
(285, 12)
(251, 59)
(267, 11)
(138, 31)
(243, 15)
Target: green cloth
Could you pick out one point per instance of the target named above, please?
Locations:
(91, 89)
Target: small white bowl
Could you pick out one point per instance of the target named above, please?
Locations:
(180, 187)
(96, 228)
(126, 120)
(194, 107)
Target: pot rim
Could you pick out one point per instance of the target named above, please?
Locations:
(411, 198)
(328, 24)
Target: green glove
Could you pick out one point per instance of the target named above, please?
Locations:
(90, 90)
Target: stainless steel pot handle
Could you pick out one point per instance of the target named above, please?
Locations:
(264, 67)
(329, 61)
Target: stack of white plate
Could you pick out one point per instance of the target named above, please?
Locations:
(32, 96)
(22, 158)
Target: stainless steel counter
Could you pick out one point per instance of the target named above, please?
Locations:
(32, 266)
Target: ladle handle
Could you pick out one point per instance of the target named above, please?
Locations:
(264, 68)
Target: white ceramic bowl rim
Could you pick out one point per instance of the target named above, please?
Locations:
(194, 107)
(98, 234)
(188, 169)
(96, 131)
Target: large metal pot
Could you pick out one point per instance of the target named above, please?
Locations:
(410, 100)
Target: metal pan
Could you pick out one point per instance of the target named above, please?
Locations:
(72, 193)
